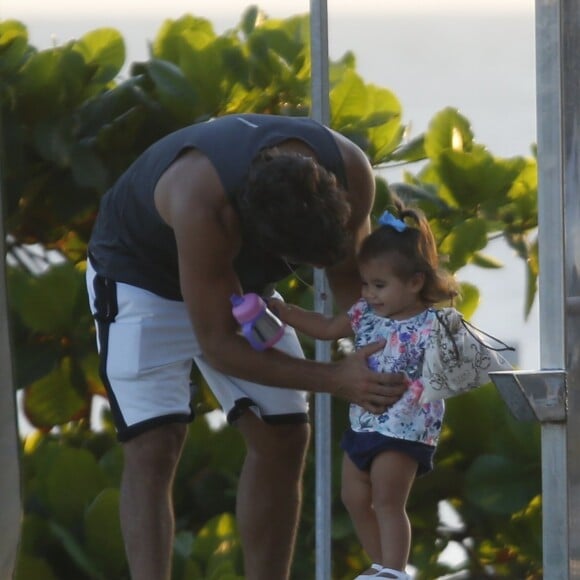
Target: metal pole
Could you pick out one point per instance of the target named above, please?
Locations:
(552, 394)
(558, 78)
(569, 123)
(10, 501)
(552, 275)
(322, 303)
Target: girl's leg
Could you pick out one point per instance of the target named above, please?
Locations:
(392, 475)
(357, 497)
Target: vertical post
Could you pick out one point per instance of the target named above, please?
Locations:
(558, 105)
(319, 60)
(551, 248)
(10, 510)
(570, 164)
(322, 303)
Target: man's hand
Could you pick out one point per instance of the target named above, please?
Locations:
(374, 392)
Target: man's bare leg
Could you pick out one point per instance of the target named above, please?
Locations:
(146, 507)
(270, 495)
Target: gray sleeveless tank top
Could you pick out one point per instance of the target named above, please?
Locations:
(131, 243)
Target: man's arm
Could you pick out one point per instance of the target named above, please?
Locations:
(344, 278)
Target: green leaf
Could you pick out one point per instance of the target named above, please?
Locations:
(423, 195)
(411, 151)
(54, 77)
(14, 47)
(383, 196)
(463, 240)
(197, 448)
(249, 19)
(34, 535)
(97, 114)
(468, 300)
(211, 536)
(532, 270)
(464, 438)
(342, 526)
(475, 177)
(282, 38)
(448, 130)
(227, 450)
(173, 34)
(184, 568)
(212, 491)
(88, 168)
(276, 59)
(484, 261)
(76, 551)
(53, 399)
(54, 138)
(102, 531)
(173, 89)
(225, 561)
(44, 302)
(104, 51)
(70, 482)
(204, 69)
(386, 134)
(348, 99)
(33, 357)
(498, 485)
(111, 464)
(33, 567)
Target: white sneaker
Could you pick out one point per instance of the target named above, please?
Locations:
(376, 567)
(391, 574)
(380, 572)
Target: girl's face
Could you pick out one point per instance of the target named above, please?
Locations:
(386, 293)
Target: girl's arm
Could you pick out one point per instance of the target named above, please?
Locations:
(312, 323)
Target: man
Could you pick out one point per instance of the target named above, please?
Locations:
(214, 209)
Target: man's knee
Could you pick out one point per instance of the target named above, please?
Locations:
(291, 439)
(158, 449)
(274, 440)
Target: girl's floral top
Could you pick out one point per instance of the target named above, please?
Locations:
(403, 352)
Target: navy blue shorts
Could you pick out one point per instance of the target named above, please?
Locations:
(363, 447)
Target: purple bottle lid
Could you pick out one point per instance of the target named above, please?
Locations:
(247, 307)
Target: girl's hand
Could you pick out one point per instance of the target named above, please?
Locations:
(277, 306)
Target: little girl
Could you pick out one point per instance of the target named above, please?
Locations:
(436, 349)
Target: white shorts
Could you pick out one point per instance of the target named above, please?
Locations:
(147, 346)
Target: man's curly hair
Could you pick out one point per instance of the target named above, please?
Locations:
(295, 208)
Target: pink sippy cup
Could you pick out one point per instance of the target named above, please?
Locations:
(259, 325)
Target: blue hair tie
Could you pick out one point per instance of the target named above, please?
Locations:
(388, 219)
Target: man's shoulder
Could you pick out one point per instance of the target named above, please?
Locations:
(191, 185)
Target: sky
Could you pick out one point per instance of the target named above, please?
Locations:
(21, 9)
